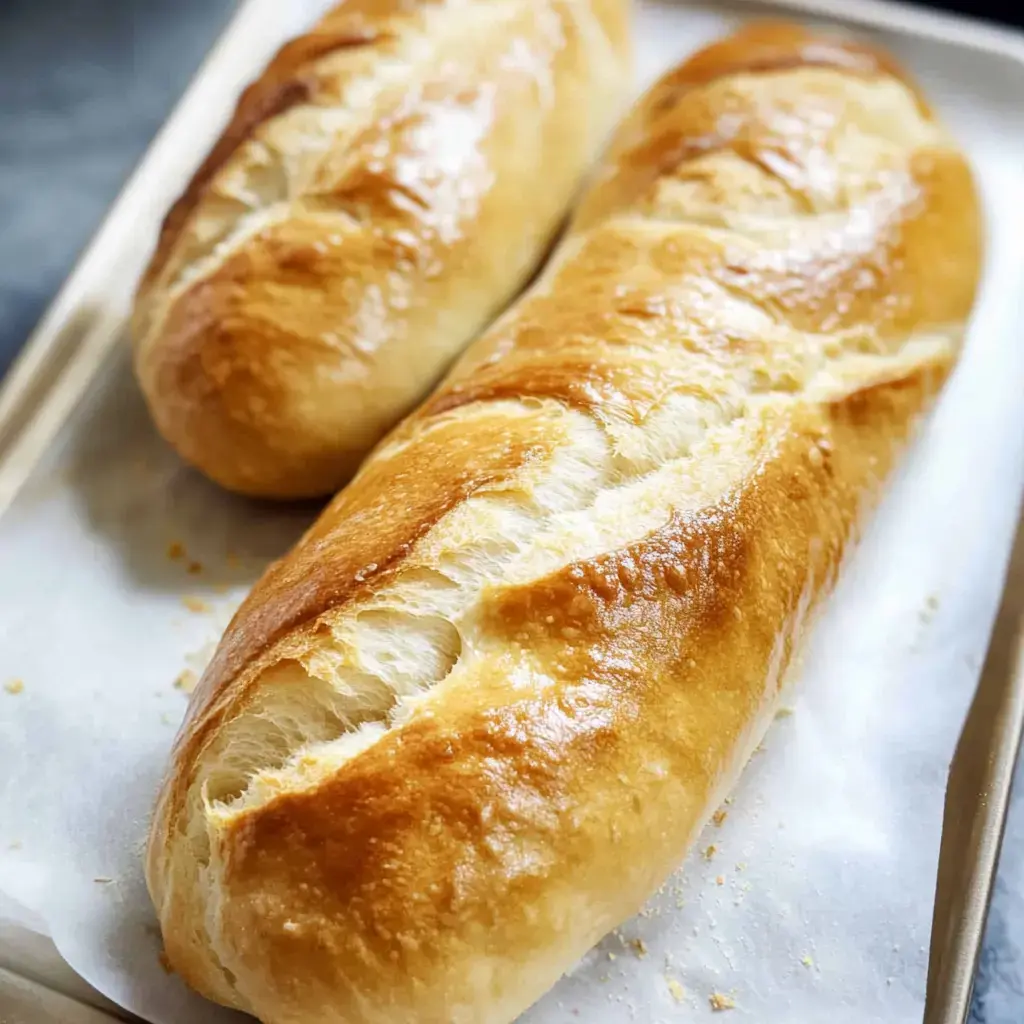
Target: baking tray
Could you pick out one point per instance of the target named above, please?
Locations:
(76, 340)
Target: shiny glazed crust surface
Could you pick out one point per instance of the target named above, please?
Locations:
(382, 191)
(481, 711)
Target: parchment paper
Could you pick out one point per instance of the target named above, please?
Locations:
(811, 897)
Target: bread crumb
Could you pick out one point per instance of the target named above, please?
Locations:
(639, 947)
(195, 568)
(186, 681)
(927, 613)
(729, 801)
(175, 551)
(102, 880)
(718, 818)
(676, 991)
(611, 955)
(720, 880)
(195, 604)
(720, 1002)
(14, 687)
(710, 852)
(784, 713)
(806, 960)
(741, 865)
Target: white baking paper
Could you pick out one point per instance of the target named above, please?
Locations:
(811, 898)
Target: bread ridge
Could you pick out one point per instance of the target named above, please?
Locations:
(362, 217)
(673, 435)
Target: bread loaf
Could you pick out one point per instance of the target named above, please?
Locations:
(383, 190)
(482, 710)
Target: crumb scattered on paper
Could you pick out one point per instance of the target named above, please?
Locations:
(720, 1002)
(175, 551)
(806, 960)
(639, 947)
(728, 801)
(166, 718)
(675, 990)
(720, 880)
(195, 604)
(103, 880)
(14, 687)
(611, 955)
(718, 818)
(784, 713)
(195, 568)
(710, 852)
(741, 865)
(186, 681)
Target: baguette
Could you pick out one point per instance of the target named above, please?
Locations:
(483, 709)
(383, 190)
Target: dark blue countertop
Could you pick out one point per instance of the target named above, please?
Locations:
(84, 85)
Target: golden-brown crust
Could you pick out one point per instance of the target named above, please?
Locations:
(547, 351)
(556, 606)
(387, 514)
(287, 82)
(761, 47)
(367, 210)
(657, 652)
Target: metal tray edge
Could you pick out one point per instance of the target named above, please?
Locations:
(68, 347)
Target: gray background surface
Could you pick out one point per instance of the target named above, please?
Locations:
(84, 85)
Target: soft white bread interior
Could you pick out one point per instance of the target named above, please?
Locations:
(481, 711)
(383, 190)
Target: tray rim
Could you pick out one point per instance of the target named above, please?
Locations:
(68, 348)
